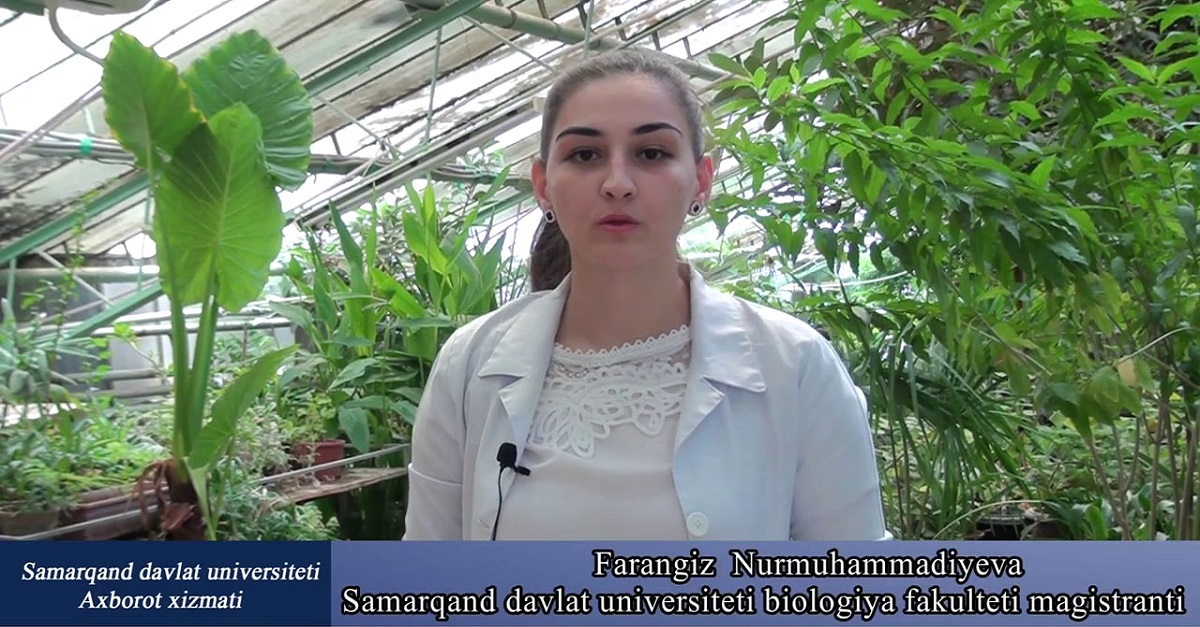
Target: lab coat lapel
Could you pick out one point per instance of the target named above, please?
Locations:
(721, 354)
(522, 355)
(519, 361)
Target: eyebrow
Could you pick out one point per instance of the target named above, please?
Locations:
(644, 129)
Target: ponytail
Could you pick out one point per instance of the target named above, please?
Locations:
(550, 257)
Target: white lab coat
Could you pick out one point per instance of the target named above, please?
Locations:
(773, 441)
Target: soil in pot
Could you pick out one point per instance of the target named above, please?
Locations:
(317, 453)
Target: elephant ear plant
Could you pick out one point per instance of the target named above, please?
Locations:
(216, 142)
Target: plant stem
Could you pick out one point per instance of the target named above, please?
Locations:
(202, 361)
(182, 437)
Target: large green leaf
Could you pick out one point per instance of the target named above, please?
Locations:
(247, 69)
(216, 435)
(356, 422)
(219, 214)
(147, 107)
(353, 371)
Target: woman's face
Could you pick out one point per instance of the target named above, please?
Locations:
(621, 174)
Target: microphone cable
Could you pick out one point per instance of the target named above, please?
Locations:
(507, 458)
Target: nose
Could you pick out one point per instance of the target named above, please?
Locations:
(618, 183)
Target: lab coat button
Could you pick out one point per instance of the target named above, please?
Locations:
(697, 524)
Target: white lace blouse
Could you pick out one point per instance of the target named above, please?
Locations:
(600, 451)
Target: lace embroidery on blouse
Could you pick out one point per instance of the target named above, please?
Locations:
(588, 393)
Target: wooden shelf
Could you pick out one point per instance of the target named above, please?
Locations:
(352, 479)
(129, 523)
(292, 487)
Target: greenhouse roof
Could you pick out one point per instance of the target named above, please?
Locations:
(431, 80)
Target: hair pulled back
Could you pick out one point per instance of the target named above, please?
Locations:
(550, 256)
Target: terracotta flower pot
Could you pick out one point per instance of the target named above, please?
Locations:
(27, 523)
(103, 503)
(322, 452)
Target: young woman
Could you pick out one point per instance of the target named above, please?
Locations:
(624, 399)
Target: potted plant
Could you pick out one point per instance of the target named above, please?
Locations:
(313, 432)
(107, 450)
(216, 143)
(32, 494)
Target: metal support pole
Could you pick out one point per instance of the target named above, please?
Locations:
(507, 42)
(61, 270)
(437, 68)
(108, 274)
(588, 31)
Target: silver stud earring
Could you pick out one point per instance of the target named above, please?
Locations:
(549, 216)
(695, 209)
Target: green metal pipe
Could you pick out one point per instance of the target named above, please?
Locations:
(10, 289)
(426, 24)
(119, 308)
(23, 6)
(56, 227)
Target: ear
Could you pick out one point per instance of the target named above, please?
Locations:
(538, 174)
(704, 179)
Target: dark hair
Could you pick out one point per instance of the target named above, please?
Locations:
(550, 256)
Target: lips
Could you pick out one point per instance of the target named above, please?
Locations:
(617, 219)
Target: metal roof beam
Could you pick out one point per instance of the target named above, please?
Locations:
(322, 164)
(119, 308)
(463, 139)
(56, 227)
(501, 17)
(425, 24)
(420, 163)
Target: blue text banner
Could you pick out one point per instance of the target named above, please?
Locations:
(874, 583)
(562, 583)
(165, 583)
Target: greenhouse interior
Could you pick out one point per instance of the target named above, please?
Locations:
(989, 207)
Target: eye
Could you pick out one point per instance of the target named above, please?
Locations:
(655, 154)
(583, 154)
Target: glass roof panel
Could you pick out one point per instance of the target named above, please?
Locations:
(41, 75)
(478, 76)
